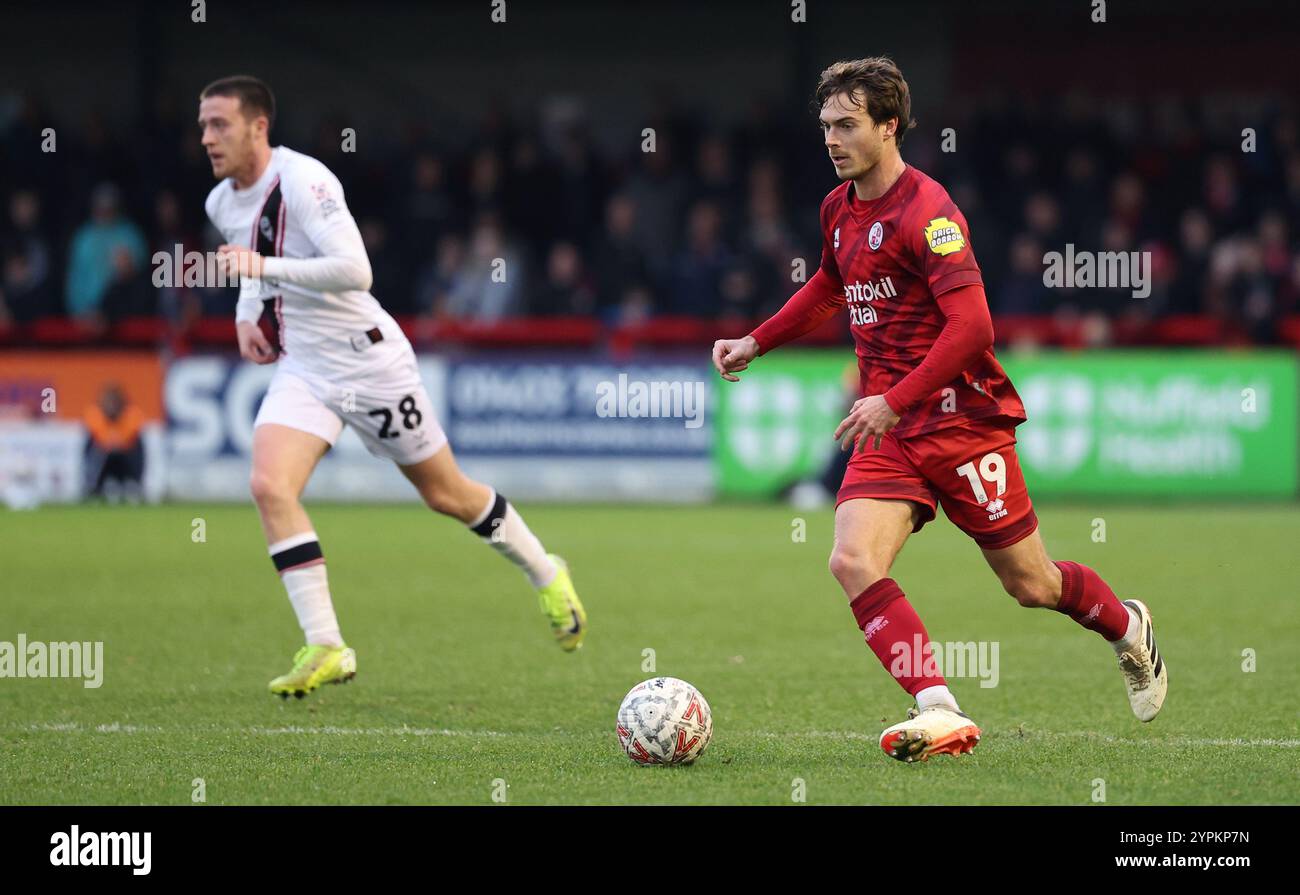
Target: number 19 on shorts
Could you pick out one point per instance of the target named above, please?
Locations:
(991, 470)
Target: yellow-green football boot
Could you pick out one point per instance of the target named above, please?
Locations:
(314, 665)
(561, 606)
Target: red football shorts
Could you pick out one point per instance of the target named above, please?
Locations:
(971, 470)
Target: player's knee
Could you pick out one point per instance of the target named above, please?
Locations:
(270, 490)
(855, 570)
(1031, 591)
(450, 495)
(442, 500)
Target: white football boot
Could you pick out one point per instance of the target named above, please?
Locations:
(1144, 669)
(937, 730)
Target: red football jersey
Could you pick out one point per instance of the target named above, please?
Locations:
(892, 257)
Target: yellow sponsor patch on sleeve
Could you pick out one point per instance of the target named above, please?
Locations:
(944, 236)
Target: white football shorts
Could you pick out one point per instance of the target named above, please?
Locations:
(390, 410)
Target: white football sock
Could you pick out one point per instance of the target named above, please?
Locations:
(303, 574)
(1131, 634)
(938, 695)
(501, 526)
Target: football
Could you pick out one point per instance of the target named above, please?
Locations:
(664, 721)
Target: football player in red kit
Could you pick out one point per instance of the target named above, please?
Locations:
(937, 425)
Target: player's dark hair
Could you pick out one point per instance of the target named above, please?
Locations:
(875, 82)
(255, 97)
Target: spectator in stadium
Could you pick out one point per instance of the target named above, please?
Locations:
(179, 305)
(660, 193)
(441, 276)
(1117, 236)
(1043, 220)
(1289, 292)
(699, 269)
(567, 289)
(1083, 194)
(767, 232)
(619, 261)
(764, 276)
(25, 288)
(130, 292)
(484, 184)
(1130, 210)
(1021, 290)
(715, 179)
(1292, 180)
(637, 306)
(1222, 195)
(1241, 291)
(114, 459)
(1196, 238)
(739, 292)
(107, 249)
(534, 189)
(430, 211)
(390, 278)
(1022, 178)
(582, 185)
(490, 284)
(1272, 234)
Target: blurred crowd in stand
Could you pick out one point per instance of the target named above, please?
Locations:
(553, 215)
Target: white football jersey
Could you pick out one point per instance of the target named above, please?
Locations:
(315, 287)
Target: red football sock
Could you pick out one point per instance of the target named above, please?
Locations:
(895, 634)
(1090, 601)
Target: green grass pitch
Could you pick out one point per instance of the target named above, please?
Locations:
(459, 685)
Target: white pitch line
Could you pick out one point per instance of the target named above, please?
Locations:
(293, 730)
(76, 727)
(1072, 734)
(381, 731)
(298, 730)
(1177, 740)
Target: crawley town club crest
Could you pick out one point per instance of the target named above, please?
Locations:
(876, 236)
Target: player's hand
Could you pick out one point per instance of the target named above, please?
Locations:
(732, 356)
(870, 418)
(253, 344)
(238, 261)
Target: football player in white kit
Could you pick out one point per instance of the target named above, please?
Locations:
(342, 360)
